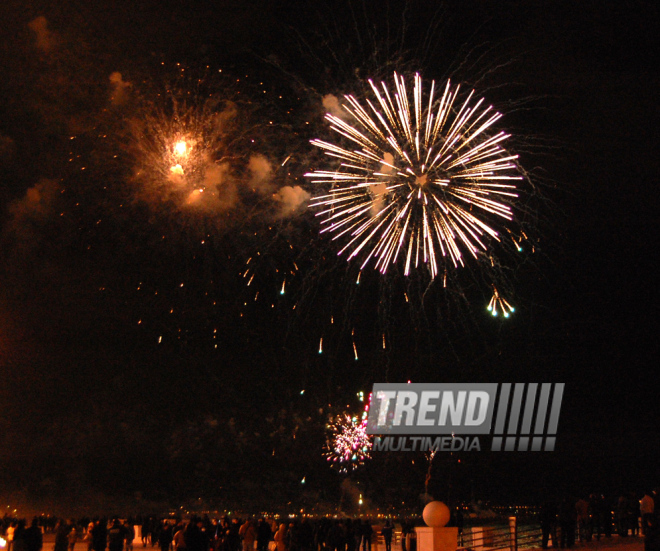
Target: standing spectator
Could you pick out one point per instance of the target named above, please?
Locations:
(280, 538)
(155, 531)
(221, 538)
(367, 532)
(652, 537)
(146, 531)
(73, 535)
(10, 535)
(34, 540)
(646, 509)
(99, 535)
(88, 536)
(179, 538)
(405, 527)
(386, 532)
(233, 539)
(116, 536)
(129, 535)
(165, 537)
(633, 514)
(460, 523)
(599, 515)
(306, 539)
(351, 536)
(583, 519)
(293, 537)
(607, 518)
(567, 523)
(248, 533)
(19, 536)
(336, 536)
(622, 517)
(264, 535)
(61, 536)
(205, 526)
(548, 520)
(193, 536)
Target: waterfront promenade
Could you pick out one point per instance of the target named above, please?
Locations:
(615, 543)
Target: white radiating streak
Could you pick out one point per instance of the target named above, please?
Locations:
(419, 180)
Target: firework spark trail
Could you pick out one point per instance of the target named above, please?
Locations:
(428, 179)
(497, 304)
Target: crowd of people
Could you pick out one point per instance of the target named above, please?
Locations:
(594, 517)
(562, 524)
(197, 534)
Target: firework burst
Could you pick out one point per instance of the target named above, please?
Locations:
(421, 179)
(183, 152)
(348, 445)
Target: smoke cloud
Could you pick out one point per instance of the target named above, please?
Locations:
(218, 191)
(36, 205)
(30, 214)
(7, 148)
(331, 105)
(260, 171)
(290, 199)
(120, 89)
(224, 117)
(223, 193)
(46, 40)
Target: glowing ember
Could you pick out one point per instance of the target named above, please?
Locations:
(497, 304)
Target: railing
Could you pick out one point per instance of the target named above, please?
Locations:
(511, 536)
(490, 538)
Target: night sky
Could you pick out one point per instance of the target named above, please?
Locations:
(139, 371)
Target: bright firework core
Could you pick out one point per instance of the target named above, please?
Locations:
(180, 148)
(420, 181)
(427, 181)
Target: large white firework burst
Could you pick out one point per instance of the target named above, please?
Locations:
(420, 179)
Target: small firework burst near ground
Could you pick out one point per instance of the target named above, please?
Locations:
(348, 445)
